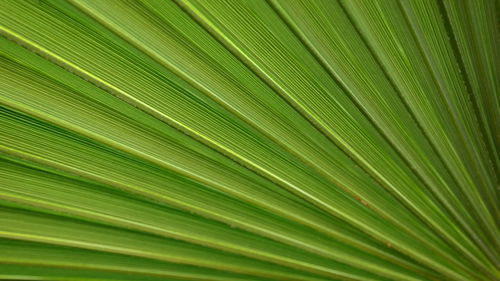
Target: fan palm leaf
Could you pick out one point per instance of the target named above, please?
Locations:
(249, 140)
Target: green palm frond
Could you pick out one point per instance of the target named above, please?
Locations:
(249, 140)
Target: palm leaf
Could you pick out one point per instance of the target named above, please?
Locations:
(249, 140)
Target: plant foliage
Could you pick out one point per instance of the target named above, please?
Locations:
(249, 140)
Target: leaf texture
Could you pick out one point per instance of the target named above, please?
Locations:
(249, 140)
